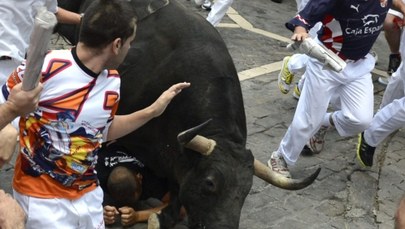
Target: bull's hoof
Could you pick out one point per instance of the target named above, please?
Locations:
(153, 221)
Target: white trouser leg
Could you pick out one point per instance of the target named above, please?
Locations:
(297, 63)
(82, 213)
(387, 120)
(312, 106)
(356, 99)
(355, 87)
(218, 11)
(395, 87)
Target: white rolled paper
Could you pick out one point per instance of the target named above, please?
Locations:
(45, 21)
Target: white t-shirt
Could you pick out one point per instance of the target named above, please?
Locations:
(17, 23)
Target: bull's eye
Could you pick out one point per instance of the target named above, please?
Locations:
(209, 185)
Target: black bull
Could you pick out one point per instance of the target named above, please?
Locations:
(175, 45)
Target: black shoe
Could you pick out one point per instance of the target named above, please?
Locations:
(306, 151)
(393, 63)
(365, 152)
(277, 1)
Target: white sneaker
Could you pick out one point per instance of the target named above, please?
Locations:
(285, 77)
(278, 165)
(383, 80)
(207, 5)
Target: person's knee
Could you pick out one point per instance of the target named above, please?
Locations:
(352, 125)
(360, 123)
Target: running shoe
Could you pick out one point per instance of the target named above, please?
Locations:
(285, 77)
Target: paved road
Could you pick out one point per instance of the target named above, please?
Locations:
(343, 196)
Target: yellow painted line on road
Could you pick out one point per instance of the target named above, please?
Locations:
(228, 25)
(258, 71)
(242, 22)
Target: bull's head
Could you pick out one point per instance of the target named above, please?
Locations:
(212, 181)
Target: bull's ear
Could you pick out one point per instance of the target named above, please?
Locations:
(185, 137)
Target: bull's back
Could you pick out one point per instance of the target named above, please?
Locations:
(175, 45)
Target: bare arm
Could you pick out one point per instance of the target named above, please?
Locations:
(67, 17)
(125, 124)
(11, 214)
(8, 143)
(400, 5)
(19, 103)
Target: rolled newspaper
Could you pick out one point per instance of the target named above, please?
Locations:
(45, 21)
(318, 51)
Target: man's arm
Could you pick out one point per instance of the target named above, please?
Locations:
(11, 214)
(125, 124)
(67, 17)
(19, 102)
(130, 217)
(400, 6)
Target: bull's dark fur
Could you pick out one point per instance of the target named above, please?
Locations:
(174, 45)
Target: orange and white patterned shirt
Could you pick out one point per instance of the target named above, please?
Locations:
(60, 140)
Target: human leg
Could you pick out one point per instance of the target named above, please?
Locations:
(82, 213)
(356, 98)
(309, 113)
(387, 120)
(392, 33)
(395, 87)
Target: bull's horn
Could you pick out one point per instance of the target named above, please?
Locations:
(190, 139)
(186, 136)
(202, 145)
(266, 174)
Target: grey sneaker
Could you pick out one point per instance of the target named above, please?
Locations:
(317, 141)
(278, 165)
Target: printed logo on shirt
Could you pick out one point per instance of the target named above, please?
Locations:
(368, 25)
(355, 7)
(370, 19)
